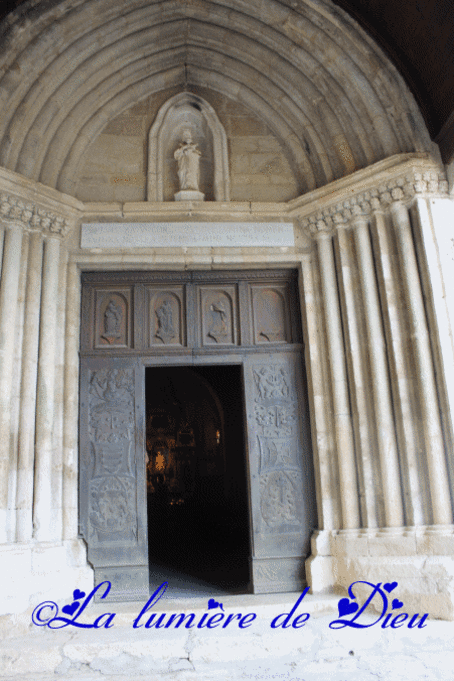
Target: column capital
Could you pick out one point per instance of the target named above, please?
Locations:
(359, 203)
(31, 217)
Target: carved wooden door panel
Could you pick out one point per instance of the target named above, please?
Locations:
(280, 471)
(113, 517)
(135, 319)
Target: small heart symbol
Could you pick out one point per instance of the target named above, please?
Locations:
(78, 594)
(71, 609)
(214, 604)
(346, 608)
(397, 604)
(389, 587)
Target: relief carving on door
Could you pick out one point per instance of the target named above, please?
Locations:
(283, 509)
(270, 315)
(112, 487)
(112, 318)
(135, 319)
(279, 469)
(278, 493)
(218, 316)
(165, 315)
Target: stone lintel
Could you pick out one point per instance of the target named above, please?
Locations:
(185, 234)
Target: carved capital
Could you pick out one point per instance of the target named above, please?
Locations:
(361, 205)
(318, 226)
(31, 216)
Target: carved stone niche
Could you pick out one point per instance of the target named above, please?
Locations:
(182, 112)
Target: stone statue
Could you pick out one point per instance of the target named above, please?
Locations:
(188, 157)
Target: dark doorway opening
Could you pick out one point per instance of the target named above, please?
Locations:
(198, 519)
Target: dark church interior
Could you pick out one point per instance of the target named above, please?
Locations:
(198, 524)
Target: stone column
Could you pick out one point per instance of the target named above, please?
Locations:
(387, 446)
(16, 389)
(436, 462)
(46, 391)
(360, 385)
(71, 405)
(2, 239)
(393, 322)
(325, 493)
(8, 309)
(342, 416)
(24, 495)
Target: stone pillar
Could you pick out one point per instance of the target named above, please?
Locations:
(396, 341)
(16, 389)
(436, 462)
(71, 405)
(46, 391)
(24, 495)
(319, 565)
(360, 386)
(434, 218)
(2, 239)
(8, 308)
(342, 417)
(59, 418)
(384, 418)
(325, 493)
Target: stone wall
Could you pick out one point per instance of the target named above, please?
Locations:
(115, 164)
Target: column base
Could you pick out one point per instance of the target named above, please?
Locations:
(320, 564)
(33, 572)
(419, 559)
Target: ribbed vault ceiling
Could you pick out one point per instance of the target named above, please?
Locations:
(319, 83)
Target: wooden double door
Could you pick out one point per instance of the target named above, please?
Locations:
(132, 321)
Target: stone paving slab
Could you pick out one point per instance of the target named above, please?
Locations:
(314, 652)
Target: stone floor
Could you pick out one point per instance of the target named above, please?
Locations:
(312, 652)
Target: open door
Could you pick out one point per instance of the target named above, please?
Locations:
(198, 524)
(280, 471)
(113, 518)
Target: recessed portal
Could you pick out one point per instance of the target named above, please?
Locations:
(198, 526)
